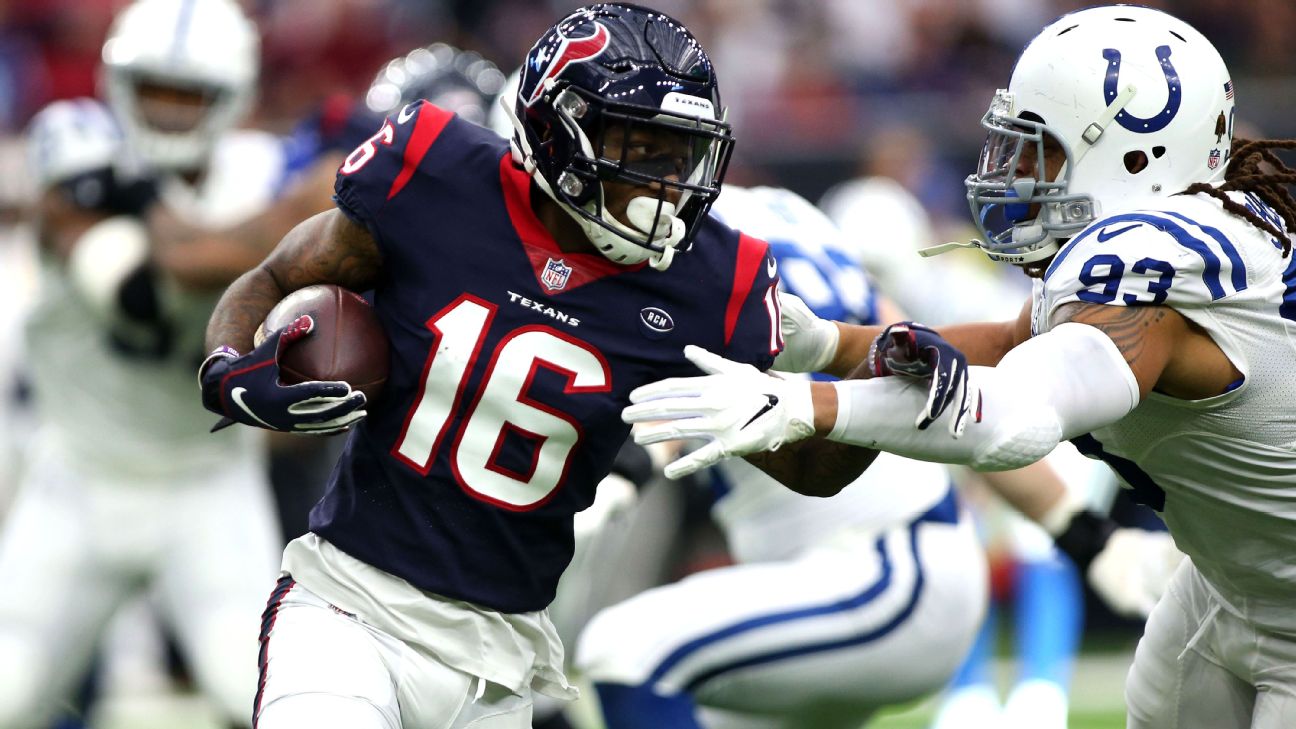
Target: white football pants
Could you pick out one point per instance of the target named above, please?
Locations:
(861, 621)
(325, 669)
(77, 545)
(1199, 666)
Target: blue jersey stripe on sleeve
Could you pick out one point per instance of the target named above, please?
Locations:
(1237, 275)
(1146, 491)
(1288, 308)
(1211, 272)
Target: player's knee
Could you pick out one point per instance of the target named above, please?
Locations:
(625, 643)
(602, 645)
(322, 711)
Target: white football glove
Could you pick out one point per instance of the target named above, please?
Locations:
(1133, 570)
(736, 407)
(613, 499)
(809, 343)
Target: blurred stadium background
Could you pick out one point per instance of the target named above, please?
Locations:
(820, 91)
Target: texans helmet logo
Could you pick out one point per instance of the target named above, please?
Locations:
(570, 50)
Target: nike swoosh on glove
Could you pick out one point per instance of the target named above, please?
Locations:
(736, 407)
(246, 389)
(809, 343)
(909, 349)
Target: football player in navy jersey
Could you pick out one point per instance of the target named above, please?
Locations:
(526, 289)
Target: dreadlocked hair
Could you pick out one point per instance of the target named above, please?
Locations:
(1247, 172)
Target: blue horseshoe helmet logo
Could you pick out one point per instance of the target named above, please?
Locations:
(1158, 121)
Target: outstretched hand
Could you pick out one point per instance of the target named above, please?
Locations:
(734, 406)
(909, 349)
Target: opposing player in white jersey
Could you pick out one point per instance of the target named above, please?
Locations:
(836, 606)
(125, 490)
(1160, 338)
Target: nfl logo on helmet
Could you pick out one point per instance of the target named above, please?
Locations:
(555, 274)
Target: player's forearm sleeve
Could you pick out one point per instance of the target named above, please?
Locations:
(1052, 387)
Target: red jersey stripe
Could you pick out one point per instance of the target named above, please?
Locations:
(751, 253)
(431, 120)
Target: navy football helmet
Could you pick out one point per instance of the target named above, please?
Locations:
(599, 79)
(453, 79)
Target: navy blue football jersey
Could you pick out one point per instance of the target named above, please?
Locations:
(511, 361)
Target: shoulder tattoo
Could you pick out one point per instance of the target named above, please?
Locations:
(1126, 325)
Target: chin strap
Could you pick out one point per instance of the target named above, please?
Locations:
(662, 261)
(640, 209)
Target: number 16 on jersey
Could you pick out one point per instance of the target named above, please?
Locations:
(499, 409)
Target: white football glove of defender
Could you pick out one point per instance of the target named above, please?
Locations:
(809, 343)
(735, 406)
(1133, 570)
(1129, 568)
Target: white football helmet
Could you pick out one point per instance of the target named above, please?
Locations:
(69, 138)
(206, 47)
(1140, 102)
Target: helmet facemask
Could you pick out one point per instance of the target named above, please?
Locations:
(608, 74)
(674, 159)
(173, 122)
(1023, 218)
(178, 75)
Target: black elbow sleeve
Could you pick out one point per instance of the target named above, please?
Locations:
(1085, 537)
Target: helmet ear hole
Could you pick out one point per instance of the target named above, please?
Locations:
(1157, 151)
(1136, 161)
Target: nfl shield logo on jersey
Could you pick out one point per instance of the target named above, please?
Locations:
(555, 274)
(1213, 160)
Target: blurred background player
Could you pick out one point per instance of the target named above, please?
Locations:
(317, 145)
(18, 278)
(125, 492)
(836, 606)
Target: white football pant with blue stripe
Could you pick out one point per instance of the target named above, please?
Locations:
(862, 620)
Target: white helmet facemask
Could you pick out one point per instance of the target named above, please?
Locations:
(178, 74)
(1140, 103)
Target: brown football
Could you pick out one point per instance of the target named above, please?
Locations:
(348, 342)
